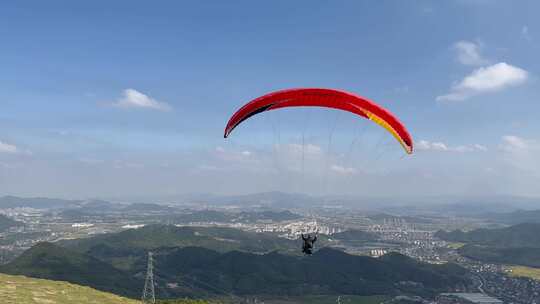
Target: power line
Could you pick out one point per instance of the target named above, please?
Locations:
(149, 295)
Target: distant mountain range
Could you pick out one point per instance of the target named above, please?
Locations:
(93, 206)
(84, 210)
(81, 210)
(519, 244)
(35, 202)
(466, 206)
(447, 205)
(265, 199)
(6, 223)
(414, 205)
(235, 217)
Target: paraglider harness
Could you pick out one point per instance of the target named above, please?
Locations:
(307, 247)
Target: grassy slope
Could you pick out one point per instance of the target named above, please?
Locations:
(24, 290)
(16, 289)
(455, 245)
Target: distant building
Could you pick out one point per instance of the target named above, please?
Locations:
(129, 226)
(467, 298)
(377, 252)
(82, 225)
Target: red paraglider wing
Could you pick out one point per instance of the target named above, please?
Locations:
(328, 98)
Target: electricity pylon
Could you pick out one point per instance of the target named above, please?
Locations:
(149, 296)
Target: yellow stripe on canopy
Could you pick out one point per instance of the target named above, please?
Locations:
(389, 128)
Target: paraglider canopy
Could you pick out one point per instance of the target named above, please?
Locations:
(329, 98)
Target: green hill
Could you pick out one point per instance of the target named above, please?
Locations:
(122, 248)
(199, 272)
(522, 235)
(49, 261)
(519, 244)
(525, 256)
(328, 271)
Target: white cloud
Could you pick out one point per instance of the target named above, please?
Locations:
(480, 147)
(343, 170)
(132, 98)
(469, 148)
(484, 80)
(468, 53)
(8, 148)
(512, 143)
(246, 153)
(424, 145)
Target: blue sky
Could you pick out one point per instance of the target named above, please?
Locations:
(127, 98)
